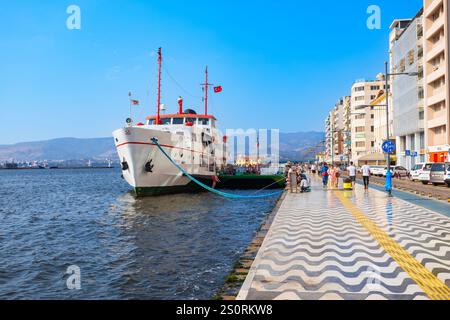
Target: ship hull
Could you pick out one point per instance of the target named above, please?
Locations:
(149, 172)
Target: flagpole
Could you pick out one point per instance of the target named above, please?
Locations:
(129, 98)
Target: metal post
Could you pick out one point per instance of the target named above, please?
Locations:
(206, 91)
(388, 184)
(158, 102)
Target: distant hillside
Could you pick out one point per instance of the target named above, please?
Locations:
(300, 146)
(60, 149)
(293, 146)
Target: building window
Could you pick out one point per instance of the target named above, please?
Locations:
(402, 66)
(373, 88)
(372, 144)
(420, 93)
(372, 128)
(421, 115)
(411, 57)
(361, 98)
(360, 144)
(360, 129)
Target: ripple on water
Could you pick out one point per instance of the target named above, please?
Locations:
(168, 247)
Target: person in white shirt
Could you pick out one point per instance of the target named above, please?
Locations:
(352, 173)
(366, 175)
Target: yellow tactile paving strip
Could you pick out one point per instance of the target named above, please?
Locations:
(432, 286)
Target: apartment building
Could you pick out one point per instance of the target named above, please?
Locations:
(407, 91)
(362, 117)
(335, 132)
(436, 77)
(347, 116)
(328, 136)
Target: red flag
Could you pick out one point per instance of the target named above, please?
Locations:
(218, 89)
(135, 102)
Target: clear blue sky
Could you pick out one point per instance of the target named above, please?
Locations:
(282, 64)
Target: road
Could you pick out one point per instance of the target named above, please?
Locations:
(441, 192)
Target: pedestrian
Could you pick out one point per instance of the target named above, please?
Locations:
(292, 179)
(324, 173)
(366, 175)
(351, 170)
(313, 168)
(337, 174)
(332, 174)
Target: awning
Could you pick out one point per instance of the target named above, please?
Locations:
(373, 157)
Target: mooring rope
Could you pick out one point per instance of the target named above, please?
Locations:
(220, 193)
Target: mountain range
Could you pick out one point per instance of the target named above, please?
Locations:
(297, 146)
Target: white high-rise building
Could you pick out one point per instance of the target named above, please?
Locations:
(406, 56)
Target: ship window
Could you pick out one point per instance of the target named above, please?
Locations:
(177, 121)
(204, 121)
(151, 121)
(166, 120)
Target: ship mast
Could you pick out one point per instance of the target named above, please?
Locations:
(206, 85)
(158, 102)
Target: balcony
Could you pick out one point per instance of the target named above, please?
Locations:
(436, 96)
(436, 73)
(430, 9)
(435, 26)
(436, 49)
(436, 122)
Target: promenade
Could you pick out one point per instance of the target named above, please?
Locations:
(335, 244)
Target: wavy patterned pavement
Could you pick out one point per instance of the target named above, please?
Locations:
(333, 244)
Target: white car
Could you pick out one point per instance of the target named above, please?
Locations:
(396, 170)
(377, 170)
(415, 171)
(447, 175)
(424, 174)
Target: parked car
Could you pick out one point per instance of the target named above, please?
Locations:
(398, 171)
(447, 175)
(416, 170)
(437, 173)
(377, 170)
(424, 175)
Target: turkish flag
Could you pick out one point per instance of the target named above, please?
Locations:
(218, 89)
(135, 102)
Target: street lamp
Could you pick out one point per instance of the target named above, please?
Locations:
(388, 183)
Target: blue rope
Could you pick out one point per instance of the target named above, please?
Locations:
(220, 193)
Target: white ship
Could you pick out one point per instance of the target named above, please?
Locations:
(191, 140)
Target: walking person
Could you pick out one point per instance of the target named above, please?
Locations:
(337, 174)
(324, 172)
(332, 174)
(351, 170)
(366, 175)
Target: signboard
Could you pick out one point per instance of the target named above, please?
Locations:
(388, 147)
(408, 153)
(415, 154)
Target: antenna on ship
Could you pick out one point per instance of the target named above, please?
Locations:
(205, 89)
(158, 102)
